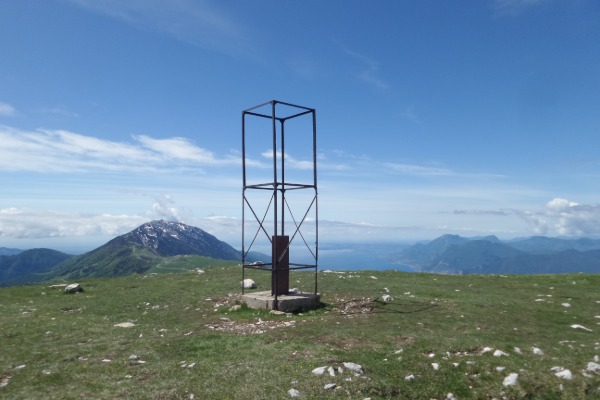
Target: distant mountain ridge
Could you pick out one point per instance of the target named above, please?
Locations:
(132, 253)
(25, 266)
(488, 255)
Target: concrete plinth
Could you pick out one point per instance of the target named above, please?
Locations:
(285, 302)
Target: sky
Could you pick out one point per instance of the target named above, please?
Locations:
(471, 117)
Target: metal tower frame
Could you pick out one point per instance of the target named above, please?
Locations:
(279, 113)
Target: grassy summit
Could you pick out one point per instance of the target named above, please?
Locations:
(440, 334)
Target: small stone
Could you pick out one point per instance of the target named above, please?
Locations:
(410, 377)
(329, 386)
(73, 288)
(319, 371)
(124, 325)
(248, 284)
(331, 371)
(499, 353)
(354, 367)
(386, 298)
(537, 351)
(564, 374)
(435, 366)
(511, 380)
(294, 393)
(593, 367)
(235, 307)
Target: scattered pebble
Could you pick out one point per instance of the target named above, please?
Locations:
(500, 353)
(593, 367)
(564, 374)
(124, 325)
(319, 371)
(410, 377)
(294, 393)
(511, 380)
(577, 326)
(537, 351)
(329, 386)
(354, 367)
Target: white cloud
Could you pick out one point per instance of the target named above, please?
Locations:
(412, 169)
(564, 217)
(6, 110)
(67, 152)
(514, 7)
(36, 224)
(289, 160)
(369, 69)
(197, 22)
(177, 148)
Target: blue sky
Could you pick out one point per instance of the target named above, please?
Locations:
(471, 117)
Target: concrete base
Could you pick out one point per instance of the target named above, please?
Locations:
(286, 302)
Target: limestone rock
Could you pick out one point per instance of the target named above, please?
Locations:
(249, 284)
(511, 380)
(294, 393)
(354, 367)
(73, 288)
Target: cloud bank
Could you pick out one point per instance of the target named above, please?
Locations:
(565, 217)
(60, 151)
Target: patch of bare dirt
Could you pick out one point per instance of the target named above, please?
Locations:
(248, 328)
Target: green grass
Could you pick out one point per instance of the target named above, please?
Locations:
(52, 345)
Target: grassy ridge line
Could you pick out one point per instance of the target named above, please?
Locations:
(188, 342)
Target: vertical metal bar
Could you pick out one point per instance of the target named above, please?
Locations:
(243, 198)
(275, 184)
(274, 241)
(282, 177)
(314, 119)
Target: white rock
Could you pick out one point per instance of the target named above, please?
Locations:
(294, 393)
(537, 351)
(410, 377)
(354, 367)
(329, 386)
(373, 277)
(248, 284)
(500, 353)
(593, 367)
(319, 371)
(500, 369)
(73, 288)
(565, 374)
(510, 380)
(577, 326)
(517, 350)
(486, 350)
(567, 305)
(386, 298)
(450, 396)
(124, 325)
(435, 366)
(331, 371)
